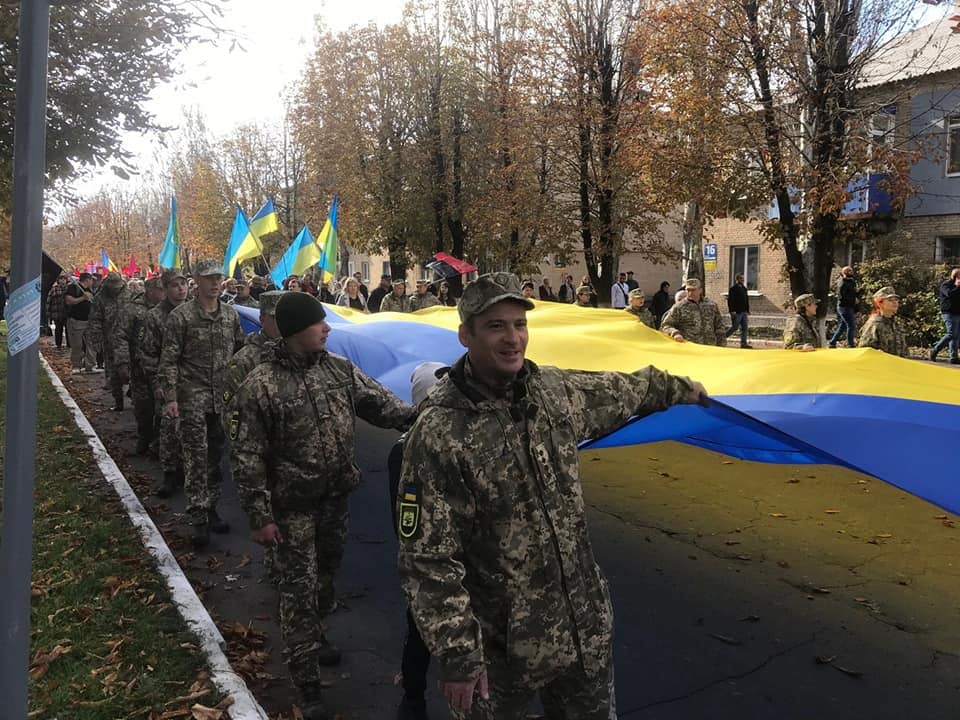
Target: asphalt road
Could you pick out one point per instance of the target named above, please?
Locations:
(741, 590)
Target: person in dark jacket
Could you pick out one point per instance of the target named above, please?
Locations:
(738, 303)
(662, 301)
(379, 293)
(949, 293)
(846, 308)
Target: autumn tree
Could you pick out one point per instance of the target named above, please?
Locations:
(105, 59)
(788, 80)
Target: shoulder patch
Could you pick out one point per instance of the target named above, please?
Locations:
(409, 515)
(234, 424)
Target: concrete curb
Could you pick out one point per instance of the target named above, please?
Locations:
(245, 706)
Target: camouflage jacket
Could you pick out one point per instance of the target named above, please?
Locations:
(884, 334)
(247, 302)
(103, 316)
(643, 315)
(291, 434)
(419, 302)
(698, 322)
(495, 557)
(152, 341)
(800, 331)
(197, 346)
(258, 348)
(128, 333)
(392, 303)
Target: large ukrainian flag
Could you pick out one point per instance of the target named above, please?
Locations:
(892, 418)
(328, 242)
(303, 254)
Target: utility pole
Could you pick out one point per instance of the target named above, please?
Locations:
(23, 335)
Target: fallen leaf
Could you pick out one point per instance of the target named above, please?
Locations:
(750, 618)
(725, 639)
(727, 462)
(202, 712)
(777, 515)
(940, 517)
(831, 512)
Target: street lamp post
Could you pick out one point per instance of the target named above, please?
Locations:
(23, 334)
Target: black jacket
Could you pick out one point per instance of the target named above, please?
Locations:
(950, 297)
(376, 297)
(737, 300)
(847, 292)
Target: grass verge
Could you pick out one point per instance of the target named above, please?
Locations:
(105, 640)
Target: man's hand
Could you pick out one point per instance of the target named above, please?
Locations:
(807, 348)
(268, 535)
(122, 373)
(459, 695)
(678, 337)
(698, 395)
(171, 410)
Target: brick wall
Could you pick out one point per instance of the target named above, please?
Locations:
(773, 294)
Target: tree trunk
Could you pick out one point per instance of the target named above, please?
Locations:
(692, 230)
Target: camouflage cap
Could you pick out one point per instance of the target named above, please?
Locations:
(636, 293)
(691, 284)
(421, 283)
(584, 290)
(171, 274)
(804, 300)
(153, 284)
(488, 290)
(885, 293)
(400, 281)
(268, 301)
(208, 267)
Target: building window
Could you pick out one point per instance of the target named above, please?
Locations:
(745, 261)
(365, 272)
(883, 126)
(350, 269)
(948, 250)
(853, 253)
(386, 267)
(953, 145)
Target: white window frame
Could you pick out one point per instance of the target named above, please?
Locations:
(365, 272)
(883, 126)
(952, 124)
(849, 254)
(739, 265)
(940, 254)
(386, 267)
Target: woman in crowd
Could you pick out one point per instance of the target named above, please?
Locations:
(882, 331)
(443, 295)
(800, 332)
(351, 297)
(293, 284)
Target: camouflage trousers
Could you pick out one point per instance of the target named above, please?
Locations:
(202, 442)
(306, 564)
(143, 409)
(572, 695)
(169, 441)
(116, 386)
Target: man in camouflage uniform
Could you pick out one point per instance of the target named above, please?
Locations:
(398, 300)
(495, 557)
(199, 338)
(423, 298)
(800, 332)
(171, 461)
(106, 306)
(128, 332)
(292, 447)
(243, 296)
(583, 296)
(696, 320)
(636, 300)
(257, 348)
(881, 330)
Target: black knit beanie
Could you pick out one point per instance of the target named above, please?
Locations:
(297, 311)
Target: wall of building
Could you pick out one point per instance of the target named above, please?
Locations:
(937, 193)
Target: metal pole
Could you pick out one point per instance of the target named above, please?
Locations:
(23, 334)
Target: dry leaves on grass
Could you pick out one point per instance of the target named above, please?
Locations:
(42, 659)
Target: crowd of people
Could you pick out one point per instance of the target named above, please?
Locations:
(467, 478)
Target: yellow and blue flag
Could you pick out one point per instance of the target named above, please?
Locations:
(170, 252)
(107, 263)
(886, 416)
(328, 242)
(265, 221)
(243, 245)
(302, 254)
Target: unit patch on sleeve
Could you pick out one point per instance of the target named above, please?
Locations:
(409, 512)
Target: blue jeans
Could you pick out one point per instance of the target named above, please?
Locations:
(848, 320)
(952, 337)
(739, 320)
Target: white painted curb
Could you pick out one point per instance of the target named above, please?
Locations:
(245, 706)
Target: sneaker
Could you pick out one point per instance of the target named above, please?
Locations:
(933, 356)
(169, 485)
(95, 370)
(216, 524)
(412, 710)
(76, 371)
(833, 345)
(955, 361)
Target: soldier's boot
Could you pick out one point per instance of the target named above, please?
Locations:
(201, 536)
(412, 710)
(216, 523)
(181, 476)
(328, 654)
(168, 485)
(143, 445)
(117, 403)
(312, 706)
